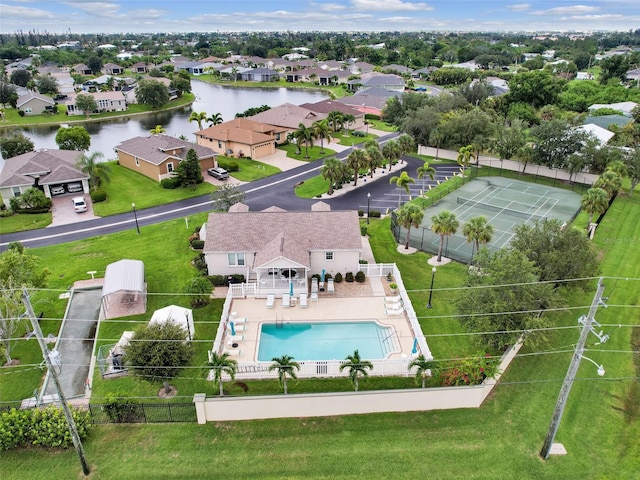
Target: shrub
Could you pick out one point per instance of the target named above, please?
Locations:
(375, 214)
(223, 280)
(360, 213)
(360, 277)
(200, 263)
(229, 165)
(338, 278)
(169, 183)
(197, 244)
(363, 230)
(363, 262)
(122, 409)
(98, 196)
(21, 113)
(470, 371)
(349, 277)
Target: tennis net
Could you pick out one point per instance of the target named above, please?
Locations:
(495, 208)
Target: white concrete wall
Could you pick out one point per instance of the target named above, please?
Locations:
(343, 262)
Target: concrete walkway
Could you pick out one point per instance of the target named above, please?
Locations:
(532, 169)
(376, 282)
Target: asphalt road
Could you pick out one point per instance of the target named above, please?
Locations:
(276, 190)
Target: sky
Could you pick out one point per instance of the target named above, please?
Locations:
(146, 16)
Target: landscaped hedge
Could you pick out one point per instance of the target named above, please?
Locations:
(223, 280)
(169, 183)
(349, 277)
(229, 166)
(360, 277)
(98, 196)
(40, 427)
(338, 278)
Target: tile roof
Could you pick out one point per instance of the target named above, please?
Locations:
(51, 166)
(276, 233)
(288, 116)
(154, 148)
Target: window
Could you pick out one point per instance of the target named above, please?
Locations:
(169, 167)
(328, 256)
(137, 161)
(219, 144)
(16, 191)
(235, 259)
(28, 110)
(277, 137)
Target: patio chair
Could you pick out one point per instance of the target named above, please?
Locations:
(303, 300)
(286, 300)
(393, 306)
(314, 296)
(394, 311)
(271, 298)
(330, 286)
(234, 352)
(234, 339)
(394, 299)
(239, 328)
(238, 320)
(314, 285)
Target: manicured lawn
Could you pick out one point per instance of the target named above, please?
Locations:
(382, 126)
(127, 186)
(314, 153)
(250, 170)
(22, 222)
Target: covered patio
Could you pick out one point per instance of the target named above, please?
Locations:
(124, 291)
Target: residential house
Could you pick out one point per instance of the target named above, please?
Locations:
(601, 134)
(261, 74)
(242, 137)
(395, 68)
(623, 107)
(634, 75)
(327, 106)
(234, 72)
(141, 67)
(43, 169)
(376, 80)
(360, 68)
(82, 69)
(605, 121)
(332, 65)
(370, 100)
(106, 101)
(288, 116)
(157, 156)
(278, 250)
(33, 103)
(112, 69)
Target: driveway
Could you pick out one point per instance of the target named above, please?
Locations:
(63, 212)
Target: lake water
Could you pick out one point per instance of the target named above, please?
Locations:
(209, 98)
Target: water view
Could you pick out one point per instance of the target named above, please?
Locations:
(209, 98)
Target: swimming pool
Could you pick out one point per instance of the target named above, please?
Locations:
(326, 340)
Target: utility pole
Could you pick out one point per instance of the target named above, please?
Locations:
(571, 372)
(50, 359)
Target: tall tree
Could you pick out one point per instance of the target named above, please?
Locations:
(86, 103)
(15, 144)
(537, 88)
(336, 120)
(406, 144)
(286, 367)
(357, 368)
(157, 130)
(423, 172)
(477, 230)
(304, 135)
(322, 131)
(373, 157)
(510, 140)
(355, 161)
(391, 152)
(410, 215)
(225, 196)
(221, 364)
(349, 119)
(402, 182)
(465, 154)
(215, 119)
(189, 172)
(198, 117)
(610, 182)
(152, 93)
(98, 171)
(554, 142)
(444, 224)
(423, 368)
(595, 200)
(332, 170)
(632, 161)
(73, 138)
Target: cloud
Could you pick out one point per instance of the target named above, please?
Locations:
(20, 13)
(572, 10)
(519, 7)
(328, 7)
(389, 5)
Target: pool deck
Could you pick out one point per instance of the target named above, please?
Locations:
(326, 309)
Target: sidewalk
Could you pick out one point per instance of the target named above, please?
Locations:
(532, 169)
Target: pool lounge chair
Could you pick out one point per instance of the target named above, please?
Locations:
(303, 300)
(286, 300)
(234, 352)
(314, 296)
(314, 285)
(234, 339)
(239, 320)
(271, 298)
(330, 286)
(394, 299)
(394, 311)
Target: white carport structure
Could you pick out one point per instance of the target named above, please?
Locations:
(124, 291)
(181, 316)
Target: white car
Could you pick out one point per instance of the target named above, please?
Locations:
(79, 205)
(57, 190)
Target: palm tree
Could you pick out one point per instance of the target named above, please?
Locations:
(391, 151)
(97, 171)
(357, 367)
(618, 167)
(422, 172)
(424, 368)
(406, 144)
(436, 138)
(465, 154)
(444, 224)
(477, 230)
(304, 135)
(198, 117)
(221, 364)
(373, 157)
(214, 119)
(348, 119)
(410, 215)
(609, 182)
(158, 129)
(336, 120)
(321, 130)
(332, 170)
(285, 366)
(355, 161)
(595, 200)
(402, 182)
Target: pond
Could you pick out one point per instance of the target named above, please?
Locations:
(210, 98)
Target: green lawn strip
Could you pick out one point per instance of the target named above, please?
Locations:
(382, 126)
(13, 118)
(249, 170)
(127, 186)
(347, 139)
(312, 187)
(307, 154)
(23, 222)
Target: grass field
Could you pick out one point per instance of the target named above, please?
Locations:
(500, 440)
(249, 170)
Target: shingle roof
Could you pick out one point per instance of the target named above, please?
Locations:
(605, 120)
(327, 106)
(288, 116)
(32, 95)
(296, 231)
(240, 130)
(51, 166)
(154, 148)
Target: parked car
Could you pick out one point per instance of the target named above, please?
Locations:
(74, 187)
(57, 190)
(79, 205)
(219, 173)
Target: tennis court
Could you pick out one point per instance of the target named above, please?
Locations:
(506, 203)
